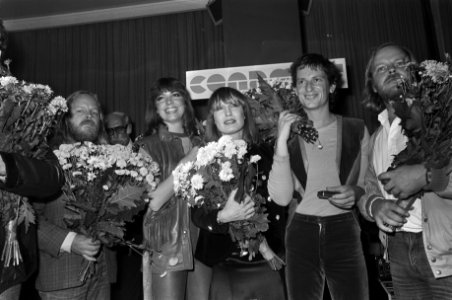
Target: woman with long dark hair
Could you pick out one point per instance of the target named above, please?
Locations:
(170, 140)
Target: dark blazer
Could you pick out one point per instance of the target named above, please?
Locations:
(32, 178)
(214, 242)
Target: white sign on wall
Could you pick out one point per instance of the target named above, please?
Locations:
(202, 83)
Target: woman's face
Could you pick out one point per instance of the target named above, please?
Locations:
(170, 107)
(230, 119)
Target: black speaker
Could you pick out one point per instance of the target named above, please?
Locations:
(305, 6)
(215, 11)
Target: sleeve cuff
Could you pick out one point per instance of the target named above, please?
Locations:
(12, 173)
(281, 158)
(368, 206)
(67, 243)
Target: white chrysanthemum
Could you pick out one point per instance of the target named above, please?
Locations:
(186, 167)
(230, 150)
(133, 173)
(224, 141)
(77, 173)
(206, 154)
(121, 163)
(241, 148)
(120, 172)
(197, 182)
(143, 171)
(254, 158)
(28, 89)
(5, 80)
(437, 71)
(226, 173)
(58, 104)
(150, 179)
(91, 176)
(66, 166)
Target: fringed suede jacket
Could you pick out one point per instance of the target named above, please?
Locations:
(167, 231)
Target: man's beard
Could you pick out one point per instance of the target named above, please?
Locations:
(87, 134)
(392, 87)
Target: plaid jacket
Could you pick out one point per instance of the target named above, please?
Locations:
(60, 270)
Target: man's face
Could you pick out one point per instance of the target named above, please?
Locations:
(389, 70)
(117, 130)
(313, 88)
(84, 123)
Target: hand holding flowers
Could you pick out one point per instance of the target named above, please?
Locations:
(425, 110)
(28, 113)
(272, 98)
(221, 179)
(234, 211)
(105, 187)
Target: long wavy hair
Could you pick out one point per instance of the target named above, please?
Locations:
(371, 98)
(153, 119)
(317, 61)
(62, 134)
(232, 96)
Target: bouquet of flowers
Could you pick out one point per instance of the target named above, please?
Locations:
(28, 113)
(221, 167)
(271, 98)
(425, 110)
(105, 187)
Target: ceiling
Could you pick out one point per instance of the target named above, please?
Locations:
(34, 14)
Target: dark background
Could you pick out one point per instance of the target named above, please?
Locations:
(120, 59)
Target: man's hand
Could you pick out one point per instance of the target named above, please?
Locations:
(85, 246)
(387, 213)
(404, 181)
(346, 197)
(284, 122)
(234, 211)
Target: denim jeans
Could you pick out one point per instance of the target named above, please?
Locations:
(411, 273)
(319, 248)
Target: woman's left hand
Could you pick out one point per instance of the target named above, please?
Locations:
(234, 211)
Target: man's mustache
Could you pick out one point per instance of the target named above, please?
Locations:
(88, 122)
(392, 77)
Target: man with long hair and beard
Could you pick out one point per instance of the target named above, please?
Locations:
(417, 240)
(63, 252)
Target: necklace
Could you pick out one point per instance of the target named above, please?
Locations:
(319, 146)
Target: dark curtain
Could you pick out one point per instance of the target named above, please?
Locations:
(351, 28)
(118, 60)
(442, 12)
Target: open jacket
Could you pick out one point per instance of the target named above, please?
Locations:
(31, 178)
(288, 177)
(436, 217)
(167, 231)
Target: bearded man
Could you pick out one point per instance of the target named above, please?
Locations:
(63, 254)
(418, 240)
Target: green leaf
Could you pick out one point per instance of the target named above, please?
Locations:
(126, 196)
(111, 228)
(26, 214)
